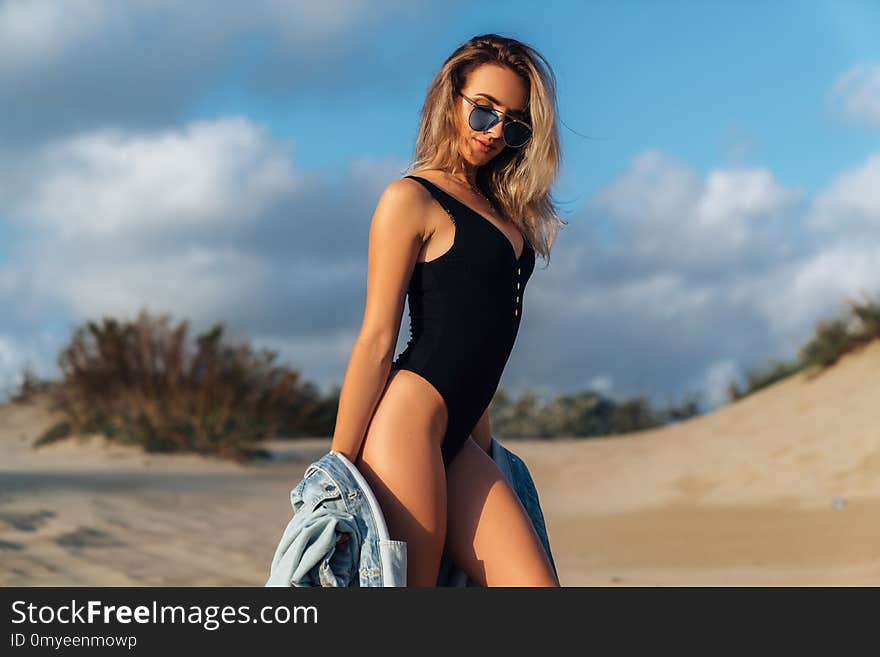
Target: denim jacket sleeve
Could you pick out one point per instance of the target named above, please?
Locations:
(320, 545)
(520, 479)
(338, 535)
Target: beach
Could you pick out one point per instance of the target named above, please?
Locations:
(779, 488)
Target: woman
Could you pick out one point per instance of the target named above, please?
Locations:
(459, 235)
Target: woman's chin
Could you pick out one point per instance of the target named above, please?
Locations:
(479, 158)
(474, 155)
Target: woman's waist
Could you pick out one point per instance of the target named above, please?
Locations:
(465, 354)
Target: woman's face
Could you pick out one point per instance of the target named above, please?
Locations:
(498, 87)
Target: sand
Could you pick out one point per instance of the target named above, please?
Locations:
(780, 488)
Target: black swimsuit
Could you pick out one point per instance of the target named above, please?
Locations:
(465, 308)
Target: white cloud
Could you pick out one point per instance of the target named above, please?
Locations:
(718, 376)
(602, 383)
(208, 175)
(857, 92)
(731, 199)
(197, 283)
(10, 365)
(36, 31)
(36, 351)
(794, 296)
(851, 200)
(665, 209)
(656, 296)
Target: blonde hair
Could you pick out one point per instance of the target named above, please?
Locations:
(517, 180)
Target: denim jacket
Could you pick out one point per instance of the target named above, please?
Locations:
(338, 536)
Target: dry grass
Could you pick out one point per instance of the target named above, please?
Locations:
(138, 382)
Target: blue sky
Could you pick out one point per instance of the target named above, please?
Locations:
(692, 78)
(221, 162)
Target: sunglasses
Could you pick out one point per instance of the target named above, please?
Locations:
(516, 133)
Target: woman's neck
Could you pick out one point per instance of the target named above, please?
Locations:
(468, 176)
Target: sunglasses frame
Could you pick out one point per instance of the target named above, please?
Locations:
(498, 114)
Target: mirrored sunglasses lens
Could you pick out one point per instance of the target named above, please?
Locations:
(516, 134)
(482, 119)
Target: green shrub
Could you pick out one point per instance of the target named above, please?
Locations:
(757, 379)
(830, 342)
(867, 317)
(633, 415)
(687, 409)
(582, 414)
(832, 339)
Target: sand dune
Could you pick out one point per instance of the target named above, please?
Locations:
(780, 488)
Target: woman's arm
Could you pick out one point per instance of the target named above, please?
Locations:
(397, 232)
(482, 433)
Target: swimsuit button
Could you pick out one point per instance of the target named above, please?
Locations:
(517, 299)
(519, 270)
(514, 312)
(517, 285)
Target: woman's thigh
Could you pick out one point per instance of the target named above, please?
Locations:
(401, 460)
(489, 534)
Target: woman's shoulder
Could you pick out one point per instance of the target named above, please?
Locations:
(405, 193)
(431, 175)
(404, 204)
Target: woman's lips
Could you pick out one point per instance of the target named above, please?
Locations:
(482, 146)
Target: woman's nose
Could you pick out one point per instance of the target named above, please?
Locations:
(496, 129)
